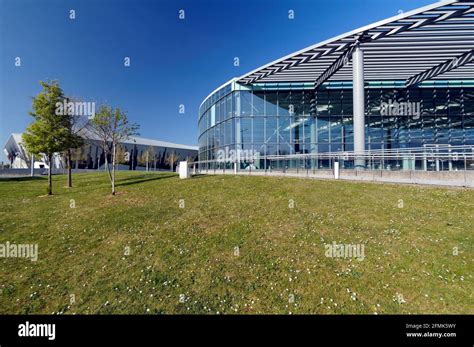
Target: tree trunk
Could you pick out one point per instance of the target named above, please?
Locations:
(113, 169)
(107, 168)
(50, 178)
(69, 168)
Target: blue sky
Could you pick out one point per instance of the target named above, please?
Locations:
(173, 61)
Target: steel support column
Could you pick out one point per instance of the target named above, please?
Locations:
(358, 100)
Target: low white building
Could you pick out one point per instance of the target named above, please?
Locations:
(135, 153)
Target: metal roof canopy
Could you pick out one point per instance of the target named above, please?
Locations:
(435, 42)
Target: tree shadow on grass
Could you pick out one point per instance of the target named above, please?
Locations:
(142, 176)
(21, 178)
(141, 179)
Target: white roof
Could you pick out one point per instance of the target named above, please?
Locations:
(17, 137)
(149, 142)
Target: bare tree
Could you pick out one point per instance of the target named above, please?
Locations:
(112, 126)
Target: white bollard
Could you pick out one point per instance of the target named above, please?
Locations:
(336, 170)
(183, 170)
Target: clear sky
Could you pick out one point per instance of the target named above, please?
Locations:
(173, 61)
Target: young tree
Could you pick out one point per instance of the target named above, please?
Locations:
(48, 133)
(112, 127)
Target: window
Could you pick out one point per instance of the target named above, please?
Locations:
(271, 102)
(284, 101)
(323, 129)
(246, 130)
(259, 129)
(228, 106)
(213, 116)
(258, 104)
(222, 112)
(336, 129)
(217, 112)
(271, 132)
(284, 130)
(245, 103)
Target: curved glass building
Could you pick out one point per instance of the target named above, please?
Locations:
(405, 82)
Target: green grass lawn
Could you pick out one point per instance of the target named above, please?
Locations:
(183, 259)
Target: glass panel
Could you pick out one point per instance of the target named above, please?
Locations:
(259, 104)
(222, 111)
(441, 101)
(246, 130)
(297, 102)
(284, 102)
(213, 115)
(322, 106)
(457, 133)
(468, 103)
(271, 101)
(217, 112)
(217, 136)
(271, 132)
(347, 130)
(442, 130)
(245, 103)
(284, 130)
(271, 149)
(323, 129)
(415, 131)
(469, 130)
(402, 134)
(429, 130)
(428, 105)
(308, 95)
(346, 102)
(297, 132)
(336, 129)
(228, 106)
(259, 129)
(308, 125)
(236, 104)
(336, 102)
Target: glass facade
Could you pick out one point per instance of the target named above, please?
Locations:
(278, 118)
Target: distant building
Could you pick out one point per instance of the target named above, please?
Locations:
(134, 154)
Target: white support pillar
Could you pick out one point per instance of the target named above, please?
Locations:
(358, 97)
(32, 173)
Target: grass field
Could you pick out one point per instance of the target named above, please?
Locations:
(215, 244)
